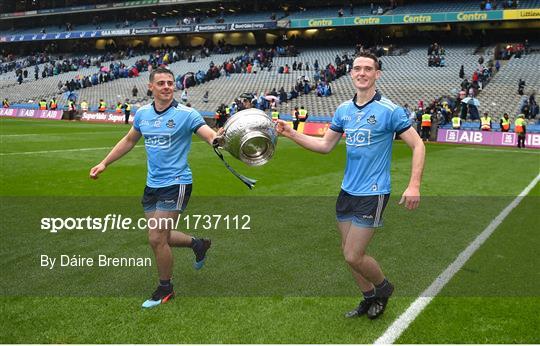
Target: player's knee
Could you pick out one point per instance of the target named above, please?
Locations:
(157, 238)
(353, 257)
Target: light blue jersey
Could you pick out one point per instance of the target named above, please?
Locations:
(369, 132)
(167, 139)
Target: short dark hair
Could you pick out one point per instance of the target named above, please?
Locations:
(369, 56)
(160, 70)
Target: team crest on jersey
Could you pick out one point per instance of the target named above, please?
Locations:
(371, 120)
(170, 123)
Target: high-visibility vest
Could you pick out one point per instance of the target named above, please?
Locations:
(5, 104)
(426, 120)
(71, 106)
(302, 114)
(485, 123)
(505, 124)
(53, 105)
(119, 108)
(42, 105)
(456, 122)
(275, 115)
(128, 107)
(518, 125)
(84, 106)
(227, 110)
(102, 106)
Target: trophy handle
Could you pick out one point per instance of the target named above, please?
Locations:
(218, 142)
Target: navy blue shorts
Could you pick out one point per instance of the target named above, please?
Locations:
(169, 198)
(362, 211)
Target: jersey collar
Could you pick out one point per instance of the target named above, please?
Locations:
(376, 97)
(173, 104)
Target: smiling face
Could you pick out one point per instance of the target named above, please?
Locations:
(364, 73)
(162, 87)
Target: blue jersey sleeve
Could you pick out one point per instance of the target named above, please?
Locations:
(337, 121)
(196, 121)
(136, 121)
(400, 121)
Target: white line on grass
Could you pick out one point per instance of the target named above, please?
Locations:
(57, 151)
(394, 331)
(67, 150)
(537, 152)
(61, 134)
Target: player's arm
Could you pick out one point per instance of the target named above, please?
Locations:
(320, 145)
(411, 196)
(206, 133)
(120, 149)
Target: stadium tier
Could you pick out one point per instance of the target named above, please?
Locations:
(406, 79)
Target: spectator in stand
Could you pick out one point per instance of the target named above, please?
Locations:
(526, 109)
(184, 96)
(521, 86)
(134, 91)
(533, 105)
(473, 111)
(286, 69)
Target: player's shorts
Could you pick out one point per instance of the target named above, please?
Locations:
(362, 211)
(169, 198)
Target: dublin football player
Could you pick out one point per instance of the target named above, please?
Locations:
(167, 127)
(370, 122)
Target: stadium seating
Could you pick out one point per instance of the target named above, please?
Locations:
(406, 79)
(501, 95)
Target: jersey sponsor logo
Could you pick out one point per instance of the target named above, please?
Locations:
(158, 140)
(371, 120)
(358, 137)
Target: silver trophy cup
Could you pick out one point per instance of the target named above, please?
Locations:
(249, 136)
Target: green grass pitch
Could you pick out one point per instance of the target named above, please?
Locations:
(282, 281)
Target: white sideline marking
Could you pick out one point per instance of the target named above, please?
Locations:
(67, 150)
(402, 322)
(57, 151)
(520, 151)
(60, 134)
